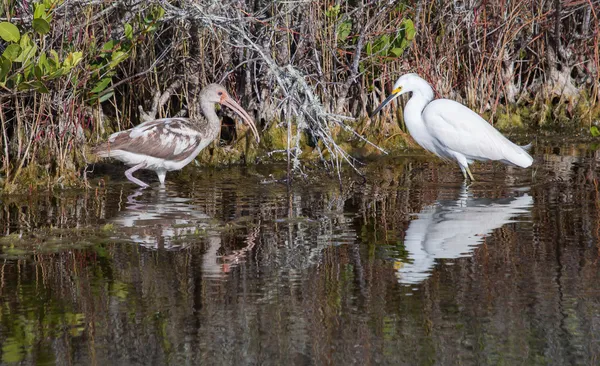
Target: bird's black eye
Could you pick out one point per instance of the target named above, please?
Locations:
(220, 93)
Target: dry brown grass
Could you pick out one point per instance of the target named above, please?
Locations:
(540, 54)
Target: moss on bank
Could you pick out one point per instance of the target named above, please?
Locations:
(547, 119)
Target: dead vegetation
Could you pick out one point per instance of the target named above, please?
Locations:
(314, 69)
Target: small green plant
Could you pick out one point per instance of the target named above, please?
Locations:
(23, 65)
(393, 47)
(104, 64)
(343, 28)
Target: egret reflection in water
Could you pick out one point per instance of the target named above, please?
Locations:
(452, 229)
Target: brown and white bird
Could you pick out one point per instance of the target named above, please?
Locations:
(169, 144)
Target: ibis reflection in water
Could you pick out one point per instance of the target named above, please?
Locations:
(452, 229)
(160, 220)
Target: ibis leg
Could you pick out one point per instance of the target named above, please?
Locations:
(161, 176)
(129, 174)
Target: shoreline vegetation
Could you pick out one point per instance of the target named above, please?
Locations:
(74, 71)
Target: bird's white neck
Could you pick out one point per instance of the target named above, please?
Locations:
(413, 115)
(213, 123)
(208, 110)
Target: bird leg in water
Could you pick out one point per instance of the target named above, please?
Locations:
(129, 175)
(465, 171)
(161, 177)
(470, 175)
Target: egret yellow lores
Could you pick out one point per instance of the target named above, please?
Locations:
(452, 131)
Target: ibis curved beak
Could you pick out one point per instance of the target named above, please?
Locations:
(229, 102)
(394, 95)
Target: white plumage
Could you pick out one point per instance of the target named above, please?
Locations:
(452, 131)
(452, 229)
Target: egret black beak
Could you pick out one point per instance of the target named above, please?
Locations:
(387, 101)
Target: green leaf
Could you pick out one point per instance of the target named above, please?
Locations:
(28, 70)
(56, 74)
(108, 46)
(41, 26)
(128, 31)
(12, 351)
(369, 48)
(101, 85)
(36, 85)
(12, 51)
(43, 62)
(106, 96)
(17, 78)
(117, 57)
(24, 86)
(27, 53)
(5, 66)
(39, 87)
(77, 57)
(40, 11)
(9, 32)
(522, 54)
(159, 13)
(344, 29)
(397, 51)
(55, 58)
(382, 43)
(25, 41)
(38, 72)
(333, 11)
(72, 60)
(409, 29)
(595, 131)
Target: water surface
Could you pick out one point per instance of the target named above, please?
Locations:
(231, 266)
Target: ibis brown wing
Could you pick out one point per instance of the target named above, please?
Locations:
(169, 139)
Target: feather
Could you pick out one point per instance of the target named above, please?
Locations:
(170, 139)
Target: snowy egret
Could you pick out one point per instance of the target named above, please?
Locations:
(452, 131)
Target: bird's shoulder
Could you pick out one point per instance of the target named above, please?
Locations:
(178, 126)
(162, 126)
(449, 116)
(454, 113)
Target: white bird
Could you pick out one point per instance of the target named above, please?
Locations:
(453, 229)
(170, 144)
(452, 131)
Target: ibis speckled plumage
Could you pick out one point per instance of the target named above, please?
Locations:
(169, 144)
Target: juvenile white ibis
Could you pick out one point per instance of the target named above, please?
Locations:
(169, 144)
(452, 131)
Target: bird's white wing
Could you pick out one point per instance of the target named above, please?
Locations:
(457, 128)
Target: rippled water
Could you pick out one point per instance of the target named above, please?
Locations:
(232, 267)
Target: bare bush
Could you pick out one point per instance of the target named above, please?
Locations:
(313, 68)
